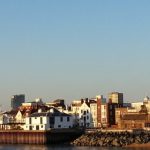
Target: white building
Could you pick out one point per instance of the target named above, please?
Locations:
(137, 106)
(48, 120)
(84, 115)
(93, 108)
(75, 106)
(4, 118)
(104, 115)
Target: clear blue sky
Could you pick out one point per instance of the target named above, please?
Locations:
(72, 49)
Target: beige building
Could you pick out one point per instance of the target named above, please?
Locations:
(119, 112)
(93, 108)
(116, 97)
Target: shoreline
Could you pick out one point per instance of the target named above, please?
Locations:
(135, 145)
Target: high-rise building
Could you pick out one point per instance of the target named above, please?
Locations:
(115, 101)
(17, 100)
(116, 97)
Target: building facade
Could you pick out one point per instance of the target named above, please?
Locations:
(48, 120)
(115, 101)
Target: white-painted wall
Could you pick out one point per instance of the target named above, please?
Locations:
(137, 106)
(84, 108)
(104, 114)
(93, 110)
(35, 121)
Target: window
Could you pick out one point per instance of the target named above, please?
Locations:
(84, 112)
(87, 111)
(30, 127)
(68, 119)
(41, 120)
(51, 122)
(37, 127)
(41, 126)
(35, 117)
(59, 126)
(30, 121)
(87, 117)
(61, 119)
(81, 111)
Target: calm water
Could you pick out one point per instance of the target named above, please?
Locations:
(43, 147)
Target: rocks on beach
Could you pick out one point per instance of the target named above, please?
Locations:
(117, 139)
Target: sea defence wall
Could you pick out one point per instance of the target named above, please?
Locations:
(38, 137)
(111, 138)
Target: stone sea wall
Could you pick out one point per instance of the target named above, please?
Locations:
(117, 139)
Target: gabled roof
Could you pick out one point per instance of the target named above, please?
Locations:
(12, 112)
(50, 114)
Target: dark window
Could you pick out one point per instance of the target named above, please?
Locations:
(87, 117)
(68, 119)
(87, 111)
(30, 127)
(59, 126)
(41, 120)
(37, 127)
(30, 121)
(84, 112)
(51, 120)
(61, 119)
(41, 126)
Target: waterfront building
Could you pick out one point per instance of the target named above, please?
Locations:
(85, 114)
(4, 119)
(53, 119)
(146, 102)
(17, 100)
(37, 103)
(75, 106)
(93, 109)
(115, 97)
(119, 112)
(13, 119)
(136, 106)
(58, 103)
(101, 111)
(134, 121)
(104, 114)
(115, 101)
(90, 112)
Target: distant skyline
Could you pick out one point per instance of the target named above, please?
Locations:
(74, 49)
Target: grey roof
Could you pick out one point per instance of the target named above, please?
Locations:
(50, 114)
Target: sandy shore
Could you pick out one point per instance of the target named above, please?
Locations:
(139, 145)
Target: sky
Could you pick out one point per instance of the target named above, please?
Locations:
(74, 49)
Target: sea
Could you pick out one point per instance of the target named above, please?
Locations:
(62, 147)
